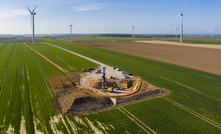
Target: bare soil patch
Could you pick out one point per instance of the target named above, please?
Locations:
(74, 101)
(199, 56)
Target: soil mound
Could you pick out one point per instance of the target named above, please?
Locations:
(60, 82)
(75, 101)
(88, 104)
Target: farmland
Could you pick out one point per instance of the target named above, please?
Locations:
(193, 106)
(108, 38)
(198, 40)
(186, 89)
(188, 55)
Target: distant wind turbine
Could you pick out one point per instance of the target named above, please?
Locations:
(132, 31)
(33, 30)
(176, 30)
(212, 31)
(181, 29)
(70, 29)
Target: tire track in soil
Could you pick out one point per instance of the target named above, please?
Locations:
(4, 72)
(193, 112)
(133, 118)
(71, 125)
(62, 119)
(3, 46)
(138, 120)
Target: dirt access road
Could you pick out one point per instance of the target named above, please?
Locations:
(197, 56)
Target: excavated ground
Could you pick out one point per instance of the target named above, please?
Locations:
(74, 101)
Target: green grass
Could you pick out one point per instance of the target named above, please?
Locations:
(216, 41)
(191, 88)
(25, 99)
(110, 38)
(63, 59)
(25, 93)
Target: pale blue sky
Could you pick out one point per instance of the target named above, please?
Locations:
(110, 16)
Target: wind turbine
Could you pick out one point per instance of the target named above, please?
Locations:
(181, 29)
(132, 31)
(71, 29)
(212, 31)
(33, 30)
(176, 30)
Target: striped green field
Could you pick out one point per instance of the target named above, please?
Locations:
(193, 105)
(195, 94)
(60, 57)
(108, 38)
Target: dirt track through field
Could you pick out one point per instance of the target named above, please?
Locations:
(201, 57)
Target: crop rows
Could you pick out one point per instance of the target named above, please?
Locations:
(26, 107)
(25, 99)
(63, 59)
(196, 90)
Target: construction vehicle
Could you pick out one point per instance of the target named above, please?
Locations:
(109, 89)
(84, 69)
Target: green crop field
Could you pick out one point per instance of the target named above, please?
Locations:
(109, 38)
(60, 57)
(216, 41)
(193, 105)
(193, 90)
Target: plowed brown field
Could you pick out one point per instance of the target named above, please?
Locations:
(197, 56)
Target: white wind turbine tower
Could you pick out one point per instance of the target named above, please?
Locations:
(33, 30)
(176, 30)
(181, 29)
(70, 29)
(132, 31)
(212, 31)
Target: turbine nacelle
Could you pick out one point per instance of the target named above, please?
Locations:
(32, 12)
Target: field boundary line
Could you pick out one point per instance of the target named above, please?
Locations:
(58, 67)
(183, 85)
(138, 120)
(193, 112)
(134, 121)
(87, 58)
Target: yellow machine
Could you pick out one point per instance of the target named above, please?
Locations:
(109, 89)
(84, 69)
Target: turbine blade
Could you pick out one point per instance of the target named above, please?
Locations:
(29, 10)
(34, 9)
(212, 26)
(183, 9)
